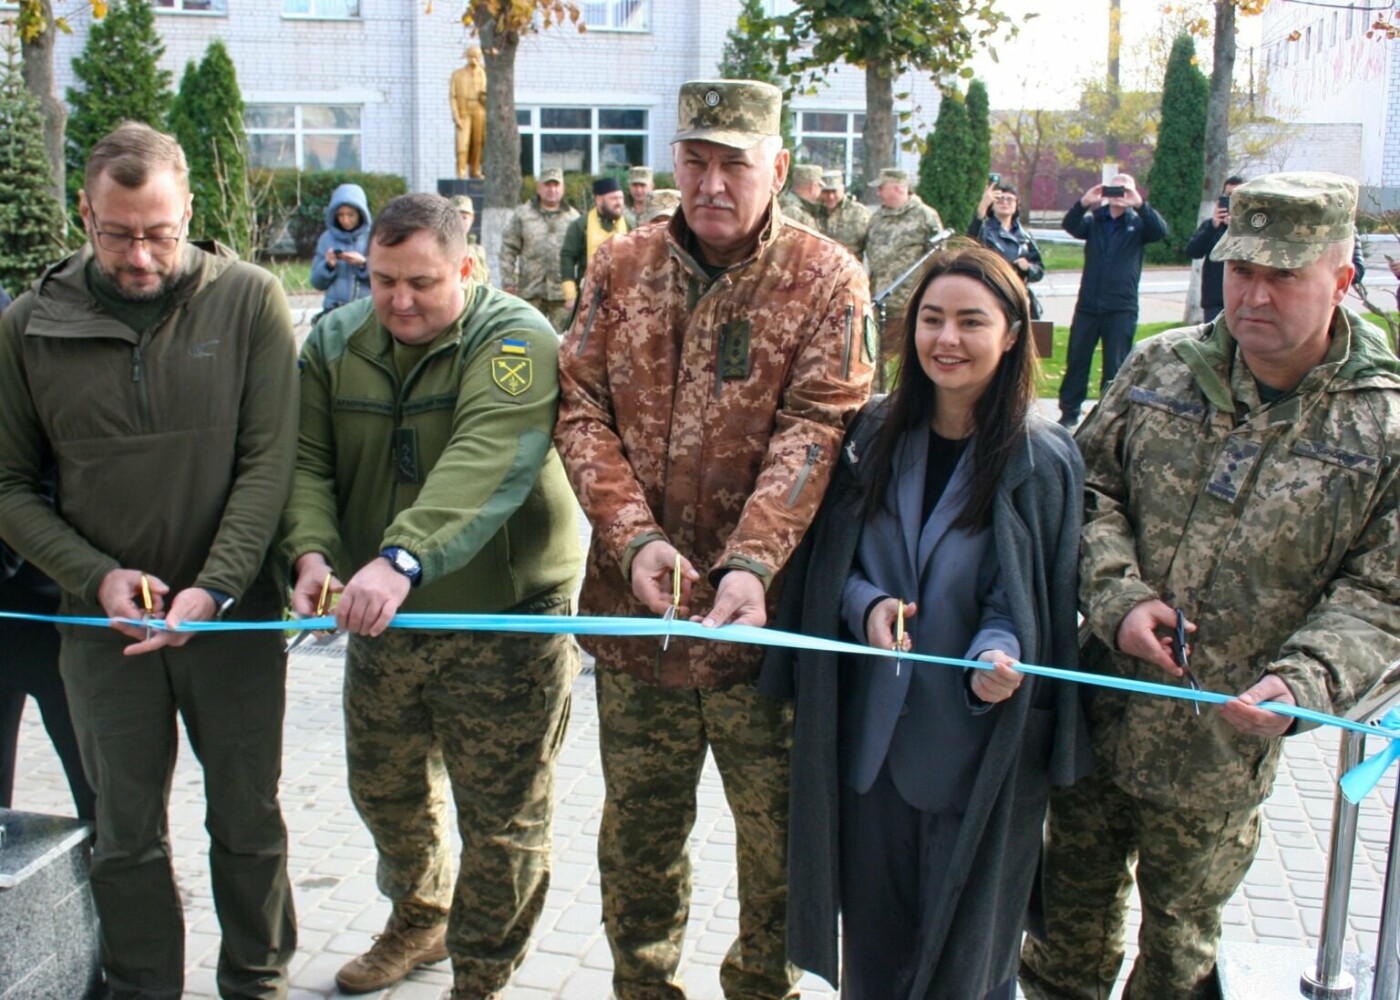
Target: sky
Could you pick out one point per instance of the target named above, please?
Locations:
(1068, 41)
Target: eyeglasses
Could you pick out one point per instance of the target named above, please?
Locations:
(1004, 197)
(158, 246)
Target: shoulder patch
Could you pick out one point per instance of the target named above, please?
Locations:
(512, 374)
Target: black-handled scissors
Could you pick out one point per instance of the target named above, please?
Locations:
(1180, 657)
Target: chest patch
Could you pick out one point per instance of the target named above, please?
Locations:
(734, 350)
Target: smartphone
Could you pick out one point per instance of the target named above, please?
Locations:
(994, 178)
(1114, 190)
(1223, 202)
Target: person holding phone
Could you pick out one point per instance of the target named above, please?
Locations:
(1116, 225)
(997, 224)
(1203, 241)
(338, 266)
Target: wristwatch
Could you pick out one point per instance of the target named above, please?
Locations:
(404, 562)
(222, 601)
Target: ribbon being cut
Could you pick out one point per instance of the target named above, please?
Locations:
(1356, 783)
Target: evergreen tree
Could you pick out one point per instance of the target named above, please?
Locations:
(979, 120)
(31, 219)
(946, 179)
(207, 118)
(750, 54)
(120, 79)
(1178, 166)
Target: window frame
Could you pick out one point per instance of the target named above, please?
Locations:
(179, 9)
(613, 5)
(312, 15)
(299, 132)
(849, 137)
(532, 133)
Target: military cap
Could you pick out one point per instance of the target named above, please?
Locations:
(639, 175)
(463, 204)
(735, 113)
(833, 180)
(606, 185)
(892, 175)
(1288, 220)
(550, 174)
(662, 201)
(806, 173)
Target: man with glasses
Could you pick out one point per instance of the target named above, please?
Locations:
(159, 378)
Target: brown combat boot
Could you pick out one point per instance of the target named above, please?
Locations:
(394, 954)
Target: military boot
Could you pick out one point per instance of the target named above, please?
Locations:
(395, 953)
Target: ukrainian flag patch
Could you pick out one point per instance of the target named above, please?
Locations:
(509, 346)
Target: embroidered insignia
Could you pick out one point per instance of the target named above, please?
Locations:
(509, 346)
(513, 375)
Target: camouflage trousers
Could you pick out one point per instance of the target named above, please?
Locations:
(1189, 864)
(554, 311)
(653, 743)
(484, 712)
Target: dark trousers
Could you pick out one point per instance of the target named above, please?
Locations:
(894, 867)
(29, 666)
(230, 690)
(1116, 330)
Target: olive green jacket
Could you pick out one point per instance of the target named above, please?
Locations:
(173, 447)
(454, 463)
(1273, 526)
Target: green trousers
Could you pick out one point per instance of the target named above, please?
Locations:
(230, 690)
(653, 743)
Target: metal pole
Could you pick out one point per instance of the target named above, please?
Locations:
(1328, 981)
(1387, 984)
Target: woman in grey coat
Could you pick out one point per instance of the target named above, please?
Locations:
(919, 791)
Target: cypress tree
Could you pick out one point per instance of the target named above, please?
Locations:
(207, 118)
(946, 179)
(979, 120)
(1178, 166)
(31, 219)
(120, 79)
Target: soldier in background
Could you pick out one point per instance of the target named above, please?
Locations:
(1243, 472)
(846, 220)
(474, 487)
(704, 387)
(661, 204)
(640, 182)
(901, 231)
(801, 203)
(530, 247)
(481, 268)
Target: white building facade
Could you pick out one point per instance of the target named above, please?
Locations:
(363, 84)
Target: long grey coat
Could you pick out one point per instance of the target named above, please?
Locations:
(1039, 737)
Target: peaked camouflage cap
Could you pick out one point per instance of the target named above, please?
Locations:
(548, 174)
(463, 203)
(639, 175)
(735, 113)
(662, 201)
(806, 173)
(1288, 220)
(833, 180)
(892, 175)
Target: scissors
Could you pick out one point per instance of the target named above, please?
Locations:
(305, 634)
(1180, 657)
(675, 607)
(898, 636)
(148, 604)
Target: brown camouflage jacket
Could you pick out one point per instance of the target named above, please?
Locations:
(707, 412)
(1274, 527)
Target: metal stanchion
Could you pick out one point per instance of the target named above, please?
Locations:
(1327, 981)
(1387, 982)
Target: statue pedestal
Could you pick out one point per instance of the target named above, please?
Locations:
(48, 923)
(474, 186)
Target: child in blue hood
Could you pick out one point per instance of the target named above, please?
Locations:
(339, 265)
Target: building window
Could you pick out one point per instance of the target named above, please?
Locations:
(616, 15)
(191, 6)
(331, 9)
(304, 136)
(582, 140)
(834, 139)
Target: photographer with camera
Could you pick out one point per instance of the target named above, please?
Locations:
(1203, 241)
(338, 266)
(997, 224)
(1116, 224)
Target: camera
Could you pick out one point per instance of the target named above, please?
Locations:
(994, 178)
(1223, 202)
(1114, 190)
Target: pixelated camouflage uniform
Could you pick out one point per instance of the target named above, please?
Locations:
(895, 239)
(462, 475)
(848, 224)
(799, 209)
(530, 249)
(1274, 526)
(481, 267)
(705, 411)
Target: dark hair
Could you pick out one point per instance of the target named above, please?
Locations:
(131, 152)
(409, 214)
(1233, 179)
(999, 415)
(1009, 189)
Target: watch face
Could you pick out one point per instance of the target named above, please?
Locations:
(405, 562)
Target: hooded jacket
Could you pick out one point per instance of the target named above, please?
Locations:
(343, 282)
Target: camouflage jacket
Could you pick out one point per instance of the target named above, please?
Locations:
(798, 209)
(895, 240)
(530, 250)
(1274, 527)
(847, 224)
(708, 412)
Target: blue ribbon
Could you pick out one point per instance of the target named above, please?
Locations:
(1362, 783)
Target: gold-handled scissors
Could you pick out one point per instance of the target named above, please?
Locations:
(148, 604)
(898, 636)
(675, 607)
(305, 634)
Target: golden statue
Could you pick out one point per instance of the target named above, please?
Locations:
(469, 111)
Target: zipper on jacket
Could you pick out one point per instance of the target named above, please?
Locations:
(814, 452)
(846, 358)
(588, 322)
(143, 407)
